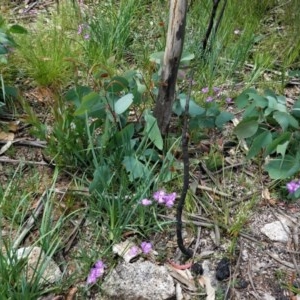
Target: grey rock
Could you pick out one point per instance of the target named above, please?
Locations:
(277, 231)
(37, 261)
(139, 281)
(267, 296)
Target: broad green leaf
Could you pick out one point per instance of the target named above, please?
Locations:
(243, 99)
(251, 111)
(17, 29)
(246, 128)
(88, 103)
(123, 103)
(186, 57)
(135, 168)
(157, 57)
(101, 179)
(117, 84)
(258, 100)
(194, 109)
(284, 137)
(285, 120)
(296, 109)
(259, 142)
(281, 149)
(3, 50)
(282, 168)
(274, 105)
(153, 131)
(75, 95)
(222, 118)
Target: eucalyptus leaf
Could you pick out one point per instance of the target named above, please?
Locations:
(284, 137)
(123, 103)
(246, 128)
(285, 120)
(259, 142)
(157, 57)
(282, 168)
(135, 168)
(223, 118)
(152, 131)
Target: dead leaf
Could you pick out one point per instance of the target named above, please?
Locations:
(210, 290)
(5, 147)
(72, 293)
(6, 136)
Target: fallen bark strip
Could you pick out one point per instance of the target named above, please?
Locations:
(18, 161)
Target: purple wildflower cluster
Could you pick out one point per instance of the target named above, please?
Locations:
(293, 186)
(162, 198)
(83, 30)
(145, 246)
(96, 271)
(217, 94)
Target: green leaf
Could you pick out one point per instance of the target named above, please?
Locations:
(123, 103)
(259, 142)
(281, 149)
(284, 137)
(243, 99)
(194, 109)
(296, 109)
(282, 168)
(3, 50)
(88, 102)
(259, 100)
(17, 29)
(117, 84)
(186, 57)
(222, 118)
(101, 179)
(75, 95)
(152, 131)
(274, 105)
(246, 128)
(135, 168)
(157, 57)
(285, 120)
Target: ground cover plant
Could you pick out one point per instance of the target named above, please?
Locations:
(85, 166)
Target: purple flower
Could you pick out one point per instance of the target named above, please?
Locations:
(216, 89)
(209, 99)
(146, 202)
(80, 27)
(164, 198)
(96, 272)
(146, 247)
(228, 100)
(293, 186)
(159, 196)
(170, 199)
(205, 90)
(86, 36)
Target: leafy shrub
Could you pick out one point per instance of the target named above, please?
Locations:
(271, 130)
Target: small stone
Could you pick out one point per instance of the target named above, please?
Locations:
(139, 280)
(276, 231)
(223, 270)
(267, 296)
(37, 260)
